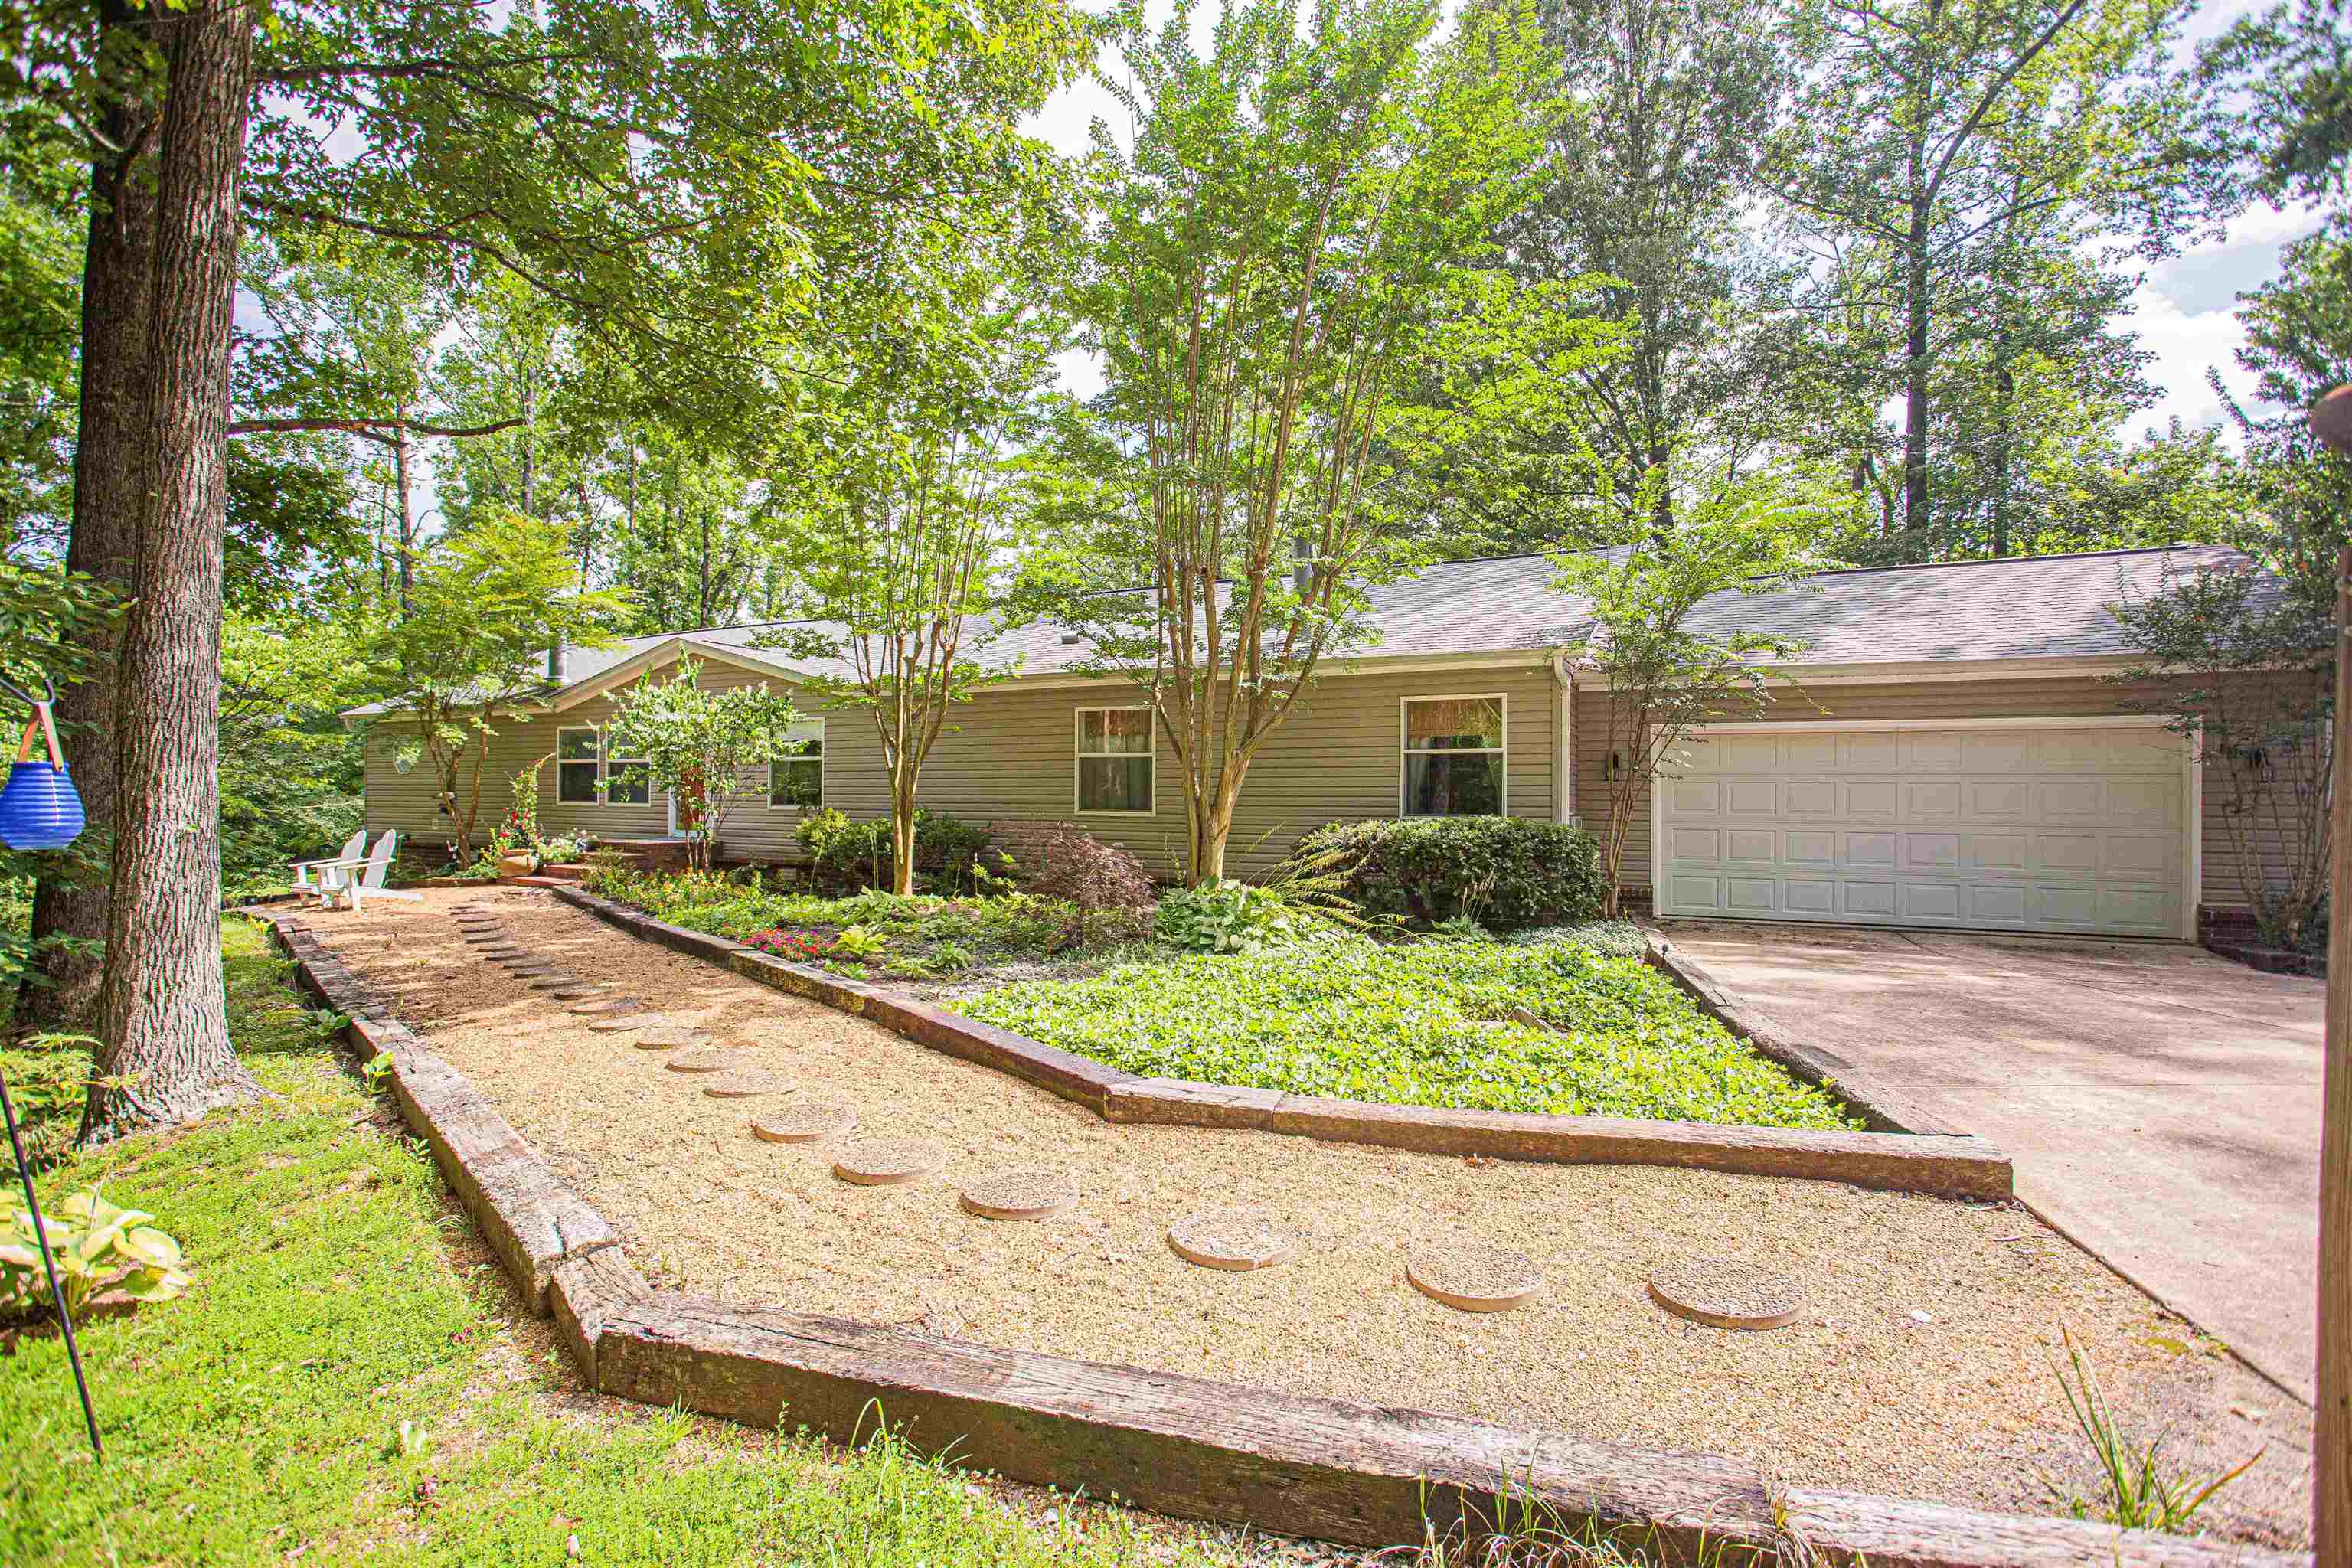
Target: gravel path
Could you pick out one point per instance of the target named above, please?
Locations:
(1921, 1365)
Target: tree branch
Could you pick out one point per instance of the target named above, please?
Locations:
(385, 430)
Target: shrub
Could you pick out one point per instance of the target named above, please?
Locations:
(858, 853)
(1061, 861)
(1234, 917)
(1502, 872)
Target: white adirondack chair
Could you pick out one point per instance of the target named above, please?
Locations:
(363, 879)
(305, 888)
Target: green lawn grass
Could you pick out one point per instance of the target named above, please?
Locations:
(261, 1413)
(1425, 1023)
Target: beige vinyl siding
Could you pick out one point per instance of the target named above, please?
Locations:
(2064, 697)
(1010, 754)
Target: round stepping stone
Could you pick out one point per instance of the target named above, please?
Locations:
(888, 1162)
(609, 1006)
(1232, 1238)
(803, 1123)
(1026, 1192)
(527, 967)
(624, 1022)
(500, 955)
(1475, 1275)
(671, 1038)
(555, 982)
(1726, 1292)
(576, 990)
(487, 936)
(703, 1061)
(745, 1086)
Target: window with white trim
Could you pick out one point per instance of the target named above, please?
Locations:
(1114, 760)
(1452, 755)
(798, 781)
(576, 757)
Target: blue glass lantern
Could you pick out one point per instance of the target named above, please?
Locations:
(40, 808)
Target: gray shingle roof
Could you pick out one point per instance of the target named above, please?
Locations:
(2042, 606)
(2046, 606)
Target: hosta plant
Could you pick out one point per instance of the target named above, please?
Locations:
(1235, 917)
(96, 1247)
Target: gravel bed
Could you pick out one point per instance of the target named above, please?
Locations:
(1922, 1365)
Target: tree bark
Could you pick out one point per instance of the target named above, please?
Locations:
(164, 1053)
(407, 507)
(111, 479)
(1915, 361)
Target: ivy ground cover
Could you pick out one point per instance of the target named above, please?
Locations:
(1425, 1023)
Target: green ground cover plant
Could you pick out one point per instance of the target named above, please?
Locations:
(915, 937)
(1422, 1023)
(344, 1384)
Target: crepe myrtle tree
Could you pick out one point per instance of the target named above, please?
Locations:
(699, 746)
(923, 486)
(1295, 222)
(1666, 668)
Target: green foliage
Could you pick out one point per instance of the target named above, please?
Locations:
(1501, 870)
(1611, 939)
(1303, 212)
(944, 933)
(950, 853)
(1420, 1025)
(1667, 669)
(95, 1246)
(2248, 679)
(2141, 1491)
(701, 746)
(1235, 917)
(485, 606)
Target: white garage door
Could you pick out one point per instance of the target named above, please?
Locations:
(2028, 828)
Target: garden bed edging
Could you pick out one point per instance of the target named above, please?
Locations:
(1299, 1465)
(1943, 1162)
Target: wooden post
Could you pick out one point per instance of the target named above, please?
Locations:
(2332, 1483)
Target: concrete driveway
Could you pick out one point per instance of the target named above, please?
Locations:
(2162, 1104)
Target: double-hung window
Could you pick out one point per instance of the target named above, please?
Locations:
(798, 780)
(1452, 756)
(576, 757)
(581, 761)
(1114, 760)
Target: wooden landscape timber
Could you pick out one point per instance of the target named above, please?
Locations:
(1946, 1163)
(1292, 1463)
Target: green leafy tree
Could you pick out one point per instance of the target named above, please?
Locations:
(2287, 78)
(701, 746)
(1647, 163)
(927, 485)
(1298, 214)
(596, 152)
(1666, 669)
(1938, 142)
(485, 606)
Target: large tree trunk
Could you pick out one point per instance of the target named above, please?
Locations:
(162, 1012)
(111, 478)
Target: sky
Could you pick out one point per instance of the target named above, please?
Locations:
(2184, 310)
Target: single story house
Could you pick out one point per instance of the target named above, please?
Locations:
(1956, 751)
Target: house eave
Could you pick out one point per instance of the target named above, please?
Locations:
(1887, 672)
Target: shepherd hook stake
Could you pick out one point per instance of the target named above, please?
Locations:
(57, 1291)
